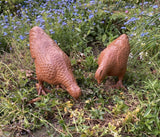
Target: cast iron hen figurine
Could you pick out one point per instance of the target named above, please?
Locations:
(112, 60)
(52, 64)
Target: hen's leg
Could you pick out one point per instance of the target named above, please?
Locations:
(41, 89)
(119, 84)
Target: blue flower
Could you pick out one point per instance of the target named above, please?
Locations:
(21, 37)
(92, 2)
(141, 13)
(89, 10)
(145, 3)
(79, 20)
(143, 34)
(155, 6)
(126, 7)
(75, 10)
(18, 23)
(59, 20)
(133, 7)
(5, 16)
(131, 35)
(64, 23)
(5, 33)
(133, 19)
(134, 28)
(106, 11)
(5, 27)
(123, 27)
(75, 13)
(91, 16)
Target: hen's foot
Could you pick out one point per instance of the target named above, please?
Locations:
(41, 90)
(34, 100)
(119, 85)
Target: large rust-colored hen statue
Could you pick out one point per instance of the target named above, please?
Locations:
(112, 60)
(52, 64)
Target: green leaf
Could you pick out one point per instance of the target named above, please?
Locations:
(104, 37)
(78, 29)
(147, 112)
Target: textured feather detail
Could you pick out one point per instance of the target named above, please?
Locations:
(52, 64)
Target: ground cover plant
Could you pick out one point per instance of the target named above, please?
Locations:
(82, 29)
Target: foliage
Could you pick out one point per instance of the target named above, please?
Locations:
(82, 29)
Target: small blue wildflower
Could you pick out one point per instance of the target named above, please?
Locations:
(126, 7)
(74, 7)
(141, 13)
(5, 16)
(106, 11)
(131, 35)
(94, 23)
(91, 16)
(0, 43)
(123, 27)
(102, 21)
(75, 10)
(155, 6)
(28, 20)
(5, 27)
(59, 20)
(42, 26)
(79, 20)
(134, 28)
(146, 2)
(5, 33)
(89, 10)
(152, 24)
(143, 34)
(18, 23)
(21, 37)
(75, 13)
(64, 23)
(133, 7)
(92, 2)
(133, 19)
(52, 32)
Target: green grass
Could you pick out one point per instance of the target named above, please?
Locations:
(99, 111)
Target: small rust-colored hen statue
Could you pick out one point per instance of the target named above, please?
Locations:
(112, 60)
(52, 64)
